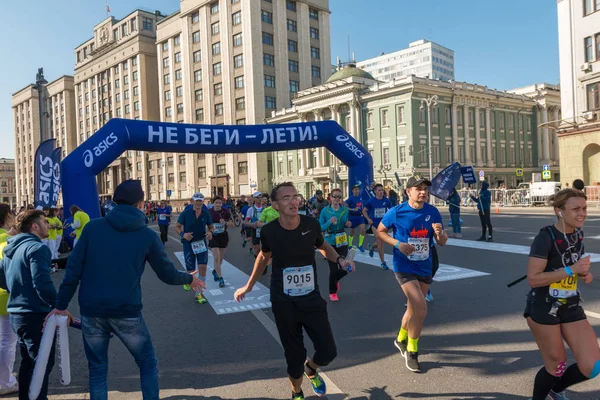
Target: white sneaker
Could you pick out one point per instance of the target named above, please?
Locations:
(458, 236)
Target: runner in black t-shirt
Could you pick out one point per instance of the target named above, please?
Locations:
(556, 264)
(296, 302)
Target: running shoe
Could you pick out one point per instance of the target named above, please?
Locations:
(384, 266)
(458, 236)
(481, 239)
(221, 282)
(334, 297)
(429, 296)
(412, 361)
(490, 239)
(318, 384)
(361, 249)
(557, 396)
(371, 251)
(187, 287)
(297, 396)
(401, 346)
(215, 275)
(200, 299)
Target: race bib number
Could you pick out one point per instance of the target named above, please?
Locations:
(341, 239)
(421, 249)
(162, 217)
(199, 247)
(219, 228)
(298, 281)
(379, 213)
(302, 212)
(258, 232)
(565, 288)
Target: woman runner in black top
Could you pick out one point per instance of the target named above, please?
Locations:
(556, 265)
(296, 302)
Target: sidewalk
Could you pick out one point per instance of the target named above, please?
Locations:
(592, 210)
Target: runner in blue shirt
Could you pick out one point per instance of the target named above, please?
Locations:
(246, 232)
(414, 225)
(373, 212)
(355, 207)
(164, 219)
(191, 226)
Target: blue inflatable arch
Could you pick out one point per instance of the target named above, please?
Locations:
(79, 168)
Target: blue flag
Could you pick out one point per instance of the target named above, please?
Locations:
(56, 159)
(445, 182)
(468, 175)
(43, 174)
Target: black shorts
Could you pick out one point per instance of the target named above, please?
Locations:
(255, 240)
(538, 310)
(219, 241)
(405, 277)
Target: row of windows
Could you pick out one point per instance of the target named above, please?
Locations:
(242, 169)
(268, 39)
(592, 53)
(590, 6)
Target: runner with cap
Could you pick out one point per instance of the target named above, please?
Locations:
(413, 224)
(373, 212)
(192, 226)
(356, 218)
(296, 302)
(252, 216)
(221, 218)
(319, 203)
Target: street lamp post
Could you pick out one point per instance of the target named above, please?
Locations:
(429, 102)
(40, 83)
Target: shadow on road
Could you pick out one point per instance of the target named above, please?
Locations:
(462, 396)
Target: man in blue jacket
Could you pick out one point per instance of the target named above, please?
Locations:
(110, 297)
(25, 274)
(484, 203)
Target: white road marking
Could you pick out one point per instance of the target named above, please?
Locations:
(592, 314)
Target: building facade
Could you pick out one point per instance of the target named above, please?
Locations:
(422, 58)
(116, 76)
(59, 123)
(579, 53)
(232, 62)
(8, 185)
(495, 132)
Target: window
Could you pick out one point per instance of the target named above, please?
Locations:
(221, 170)
(136, 106)
(197, 56)
(236, 18)
(459, 116)
(472, 152)
(314, 14)
(181, 159)
(315, 52)
(151, 179)
(270, 102)
(168, 95)
(241, 121)
(125, 68)
(291, 5)
(243, 167)
(198, 95)
(238, 61)
(124, 30)
(593, 96)
(402, 151)
(435, 116)
(195, 18)
(461, 153)
(202, 172)
(179, 91)
(386, 155)
(217, 69)
(280, 164)
(502, 155)
(384, 118)
(269, 81)
(482, 119)
(471, 115)
(511, 121)
(196, 37)
(237, 40)
(216, 48)
(177, 57)
(218, 89)
(314, 33)
(182, 176)
(292, 25)
(170, 163)
(165, 62)
(214, 8)
(135, 75)
(269, 59)
(239, 82)
(180, 108)
(200, 114)
(171, 176)
(502, 121)
(198, 75)
(588, 44)
(219, 109)
(177, 40)
(94, 93)
(590, 6)
(215, 29)
(240, 104)
(267, 38)
(125, 80)
(133, 24)
(139, 165)
(316, 71)
(294, 86)
(126, 94)
(483, 154)
(134, 61)
(292, 46)
(293, 66)
(400, 114)
(165, 46)
(266, 17)
(369, 120)
(146, 24)
(168, 112)
(167, 79)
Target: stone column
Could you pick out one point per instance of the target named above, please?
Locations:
(468, 160)
(455, 154)
(488, 134)
(303, 154)
(545, 138)
(477, 137)
(352, 128)
(555, 117)
(319, 150)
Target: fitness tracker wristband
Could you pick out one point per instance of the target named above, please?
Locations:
(568, 271)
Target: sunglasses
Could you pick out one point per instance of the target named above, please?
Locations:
(336, 197)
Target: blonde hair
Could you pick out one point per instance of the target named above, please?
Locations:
(559, 199)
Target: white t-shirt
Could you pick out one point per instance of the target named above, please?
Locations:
(250, 213)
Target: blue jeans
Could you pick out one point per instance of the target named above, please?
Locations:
(134, 334)
(455, 217)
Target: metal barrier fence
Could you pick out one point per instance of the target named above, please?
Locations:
(593, 195)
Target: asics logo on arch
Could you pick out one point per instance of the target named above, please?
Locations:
(97, 151)
(342, 138)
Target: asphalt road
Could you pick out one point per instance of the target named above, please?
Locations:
(475, 344)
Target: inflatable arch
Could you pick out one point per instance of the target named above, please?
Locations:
(80, 167)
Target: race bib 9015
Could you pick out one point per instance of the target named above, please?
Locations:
(298, 281)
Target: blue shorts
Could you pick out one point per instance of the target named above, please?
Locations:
(356, 220)
(191, 259)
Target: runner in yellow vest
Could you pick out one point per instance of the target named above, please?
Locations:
(80, 219)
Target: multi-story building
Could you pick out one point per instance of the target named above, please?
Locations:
(8, 186)
(59, 123)
(422, 58)
(495, 132)
(233, 62)
(579, 52)
(116, 77)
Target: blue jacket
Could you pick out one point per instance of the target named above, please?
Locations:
(454, 203)
(484, 201)
(109, 260)
(25, 273)
(327, 227)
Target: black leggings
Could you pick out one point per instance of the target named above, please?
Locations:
(164, 233)
(336, 273)
(484, 217)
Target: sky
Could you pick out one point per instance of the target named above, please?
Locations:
(502, 45)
